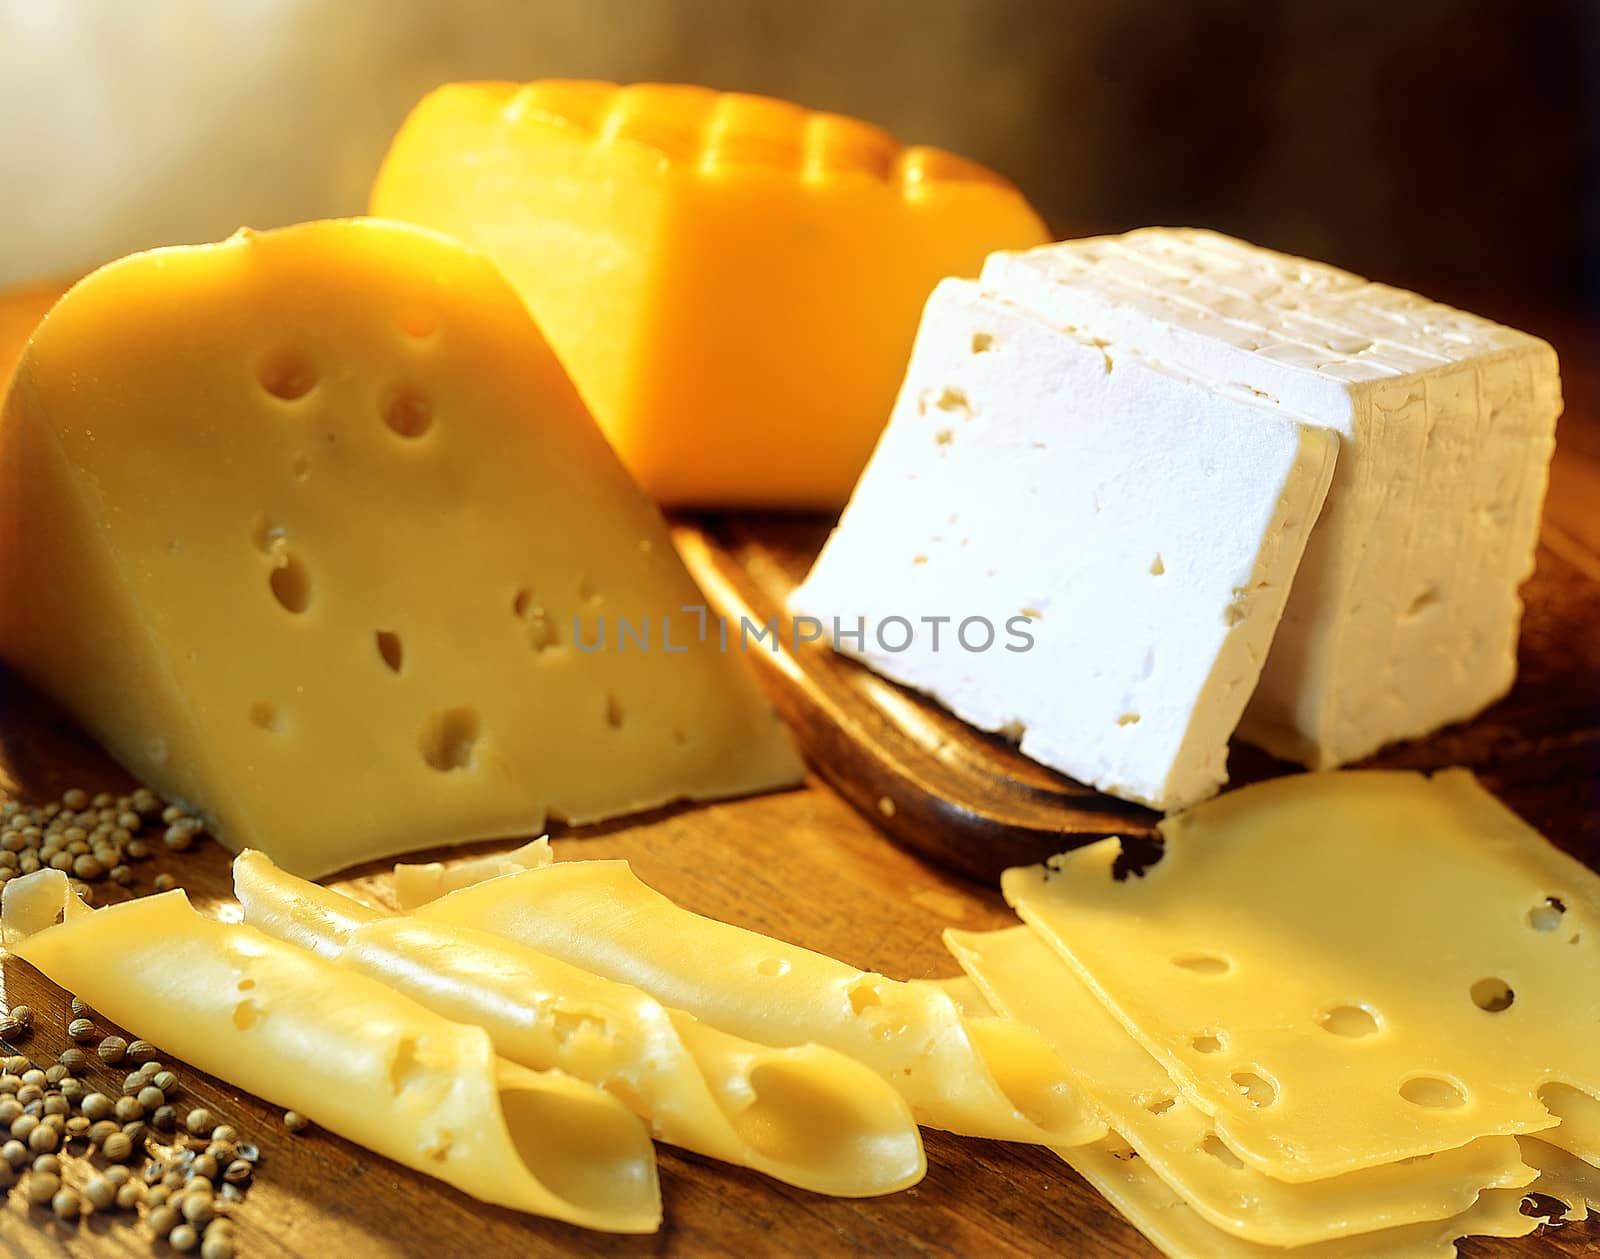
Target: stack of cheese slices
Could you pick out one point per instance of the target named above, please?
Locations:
(1295, 1044)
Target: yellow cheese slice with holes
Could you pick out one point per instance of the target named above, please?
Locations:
(805, 1115)
(349, 1053)
(337, 529)
(1346, 969)
(1563, 1176)
(988, 1077)
(1155, 1209)
(1023, 978)
(418, 884)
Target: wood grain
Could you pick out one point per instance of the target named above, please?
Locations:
(809, 866)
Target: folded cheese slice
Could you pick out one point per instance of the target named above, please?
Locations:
(418, 884)
(1399, 963)
(1563, 1176)
(343, 452)
(1024, 979)
(805, 1115)
(1405, 615)
(986, 1077)
(1155, 1209)
(1073, 544)
(353, 1055)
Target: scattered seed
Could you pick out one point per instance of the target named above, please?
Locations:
(205, 1165)
(117, 1146)
(165, 1118)
(77, 1126)
(47, 1163)
(237, 1172)
(216, 1246)
(199, 1120)
(142, 1051)
(113, 1049)
(22, 1125)
(128, 1109)
(163, 1218)
(129, 1195)
(101, 1193)
(184, 1238)
(55, 1104)
(164, 883)
(42, 1187)
(28, 1094)
(66, 1204)
(15, 1154)
(81, 1030)
(16, 1064)
(97, 1106)
(43, 1139)
(74, 1060)
(101, 1130)
(294, 1121)
(197, 1207)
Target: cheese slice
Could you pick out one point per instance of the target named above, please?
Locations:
(418, 884)
(980, 1077)
(1156, 1210)
(352, 1055)
(805, 1115)
(1072, 544)
(732, 281)
(1024, 979)
(348, 558)
(1563, 1176)
(1406, 612)
(1297, 961)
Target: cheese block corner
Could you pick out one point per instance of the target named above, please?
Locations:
(733, 281)
(1090, 550)
(311, 531)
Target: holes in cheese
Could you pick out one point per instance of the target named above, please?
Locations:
(362, 1060)
(805, 1115)
(623, 216)
(1342, 896)
(596, 915)
(1179, 1145)
(250, 452)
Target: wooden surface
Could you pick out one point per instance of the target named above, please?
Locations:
(807, 866)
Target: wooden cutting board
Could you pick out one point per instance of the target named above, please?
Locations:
(815, 866)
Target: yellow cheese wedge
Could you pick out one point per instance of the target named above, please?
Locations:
(1155, 1209)
(1024, 979)
(986, 1077)
(1346, 969)
(21, 309)
(805, 1115)
(734, 282)
(349, 1053)
(418, 884)
(309, 529)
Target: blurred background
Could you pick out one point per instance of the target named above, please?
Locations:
(1450, 145)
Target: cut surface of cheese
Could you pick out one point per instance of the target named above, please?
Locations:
(1024, 979)
(981, 1077)
(733, 281)
(1155, 1209)
(338, 530)
(1297, 962)
(1405, 615)
(806, 1115)
(349, 1053)
(1143, 525)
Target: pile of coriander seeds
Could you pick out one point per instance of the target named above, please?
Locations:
(74, 1149)
(93, 838)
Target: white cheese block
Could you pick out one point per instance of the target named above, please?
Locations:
(1405, 614)
(1145, 525)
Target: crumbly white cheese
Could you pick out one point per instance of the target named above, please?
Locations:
(1405, 614)
(1145, 522)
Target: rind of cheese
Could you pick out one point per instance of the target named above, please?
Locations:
(1024, 979)
(1148, 525)
(1156, 1210)
(1307, 932)
(984, 1077)
(733, 281)
(418, 884)
(353, 1055)
(1405, 615)
(343, 452)
(804, 1115)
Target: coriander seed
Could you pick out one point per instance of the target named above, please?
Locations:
(43, 1139)
(205, 1165)
(66, 1204)
(199, 1121)
(141, 1051)
(22, 1125)
(129, 1195)
(163, 1219)
(117, 1147)
(112, 1050)
(150, 1097)
(74, 1060)
(47, 1163)
(294, 1121)
(197, 1207)
(35, 1077)
(183, 1238)
(42, 1186)
(165, 1118)
(237, 1172)
(164, 883)
(81, 1030)
(128, 1109)
(101, 1193)
(97, 1106)
(100, 1130)
(55, 1074)
(15, 1154)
